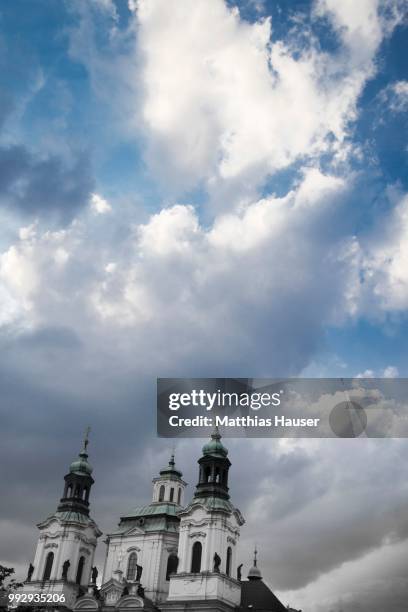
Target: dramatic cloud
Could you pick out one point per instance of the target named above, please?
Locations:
(171, 272)
(241, 104)
(245, 274)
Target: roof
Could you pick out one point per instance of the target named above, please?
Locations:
(152, 510)
(214, 504)
(153, 517)
(257, 594)
(69, 516)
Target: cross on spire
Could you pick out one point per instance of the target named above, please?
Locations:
(86, 439)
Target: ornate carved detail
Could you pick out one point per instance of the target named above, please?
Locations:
(51, 536)
(198, 534)
(193, 523)
(133, 549)
(231, 540)
(51, 545)
(84, 550)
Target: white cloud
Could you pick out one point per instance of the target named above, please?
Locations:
(366, 374)
(28, 270)
(174, 276)
(172, 231)
(391, 372)
(99, 205)
(395, 96)
(222, 101)
(18, 272)
(386, 261)
(388, 372)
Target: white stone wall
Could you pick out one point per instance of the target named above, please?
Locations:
(67, 541)
(152, 549)
(215, 530)
(191, 587)
(176, 485)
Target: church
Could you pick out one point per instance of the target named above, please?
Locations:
(170, 555)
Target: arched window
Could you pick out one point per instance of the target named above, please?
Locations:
(196, 558)
(207, 474)
(80, 570)
(85, 494)
(179, 496)
(48, 566)
(132, 567)
(229, 559)
(172, 564)
(171, 494)
(69, 492)
(161, 493)
(217, 474)
(77, 491)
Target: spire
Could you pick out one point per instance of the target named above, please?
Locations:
(214, 466)
(86, 439)
(78, 482)
(168, 487)
(81, 464)
(170, 470)
(255, 573)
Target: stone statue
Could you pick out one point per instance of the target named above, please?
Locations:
(217, 563)
(65, 569)
(94, 574)
(140, 591)
(96, 592)
(30, 572)
(139, 570)
(239, 572)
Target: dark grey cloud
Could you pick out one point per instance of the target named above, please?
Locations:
(311, 507)
(46, 186)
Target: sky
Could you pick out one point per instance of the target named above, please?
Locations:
(194, 189)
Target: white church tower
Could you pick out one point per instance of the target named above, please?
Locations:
(66, 545)
(209, 533)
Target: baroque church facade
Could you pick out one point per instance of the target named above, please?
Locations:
(171, 555)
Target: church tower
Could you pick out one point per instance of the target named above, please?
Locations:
(66, 545)
(142, 552)
(209, 533)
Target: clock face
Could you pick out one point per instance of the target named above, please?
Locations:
(348, 420)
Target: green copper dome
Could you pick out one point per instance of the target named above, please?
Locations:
(215, 447)
(81, 465)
